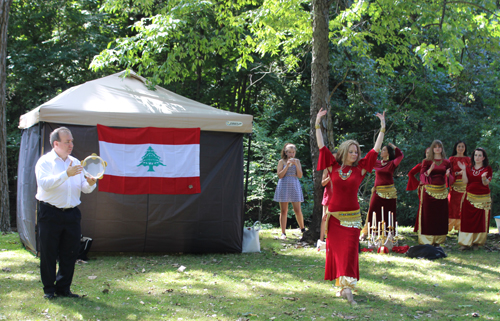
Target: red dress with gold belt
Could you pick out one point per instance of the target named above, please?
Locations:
(383, 193)
(457, 190)
(343, 235)
(433, 212)
(476, 208)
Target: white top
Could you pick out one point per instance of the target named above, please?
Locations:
(54, 185)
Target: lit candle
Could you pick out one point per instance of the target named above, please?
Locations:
(396, 228)
(382, 213)
(379, 228)
(368, 230)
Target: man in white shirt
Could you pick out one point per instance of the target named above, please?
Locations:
(60, 181)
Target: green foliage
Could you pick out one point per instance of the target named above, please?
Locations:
(437, 76)
(410, 33)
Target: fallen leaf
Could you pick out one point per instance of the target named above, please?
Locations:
(181, 269)
(7, 269)
(92, 277)
(290, 298)
(105, 291)
(302, 309)
(141, 302)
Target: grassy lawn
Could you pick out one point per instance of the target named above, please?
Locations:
(284, 282)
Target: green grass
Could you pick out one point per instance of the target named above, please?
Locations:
(284, 282)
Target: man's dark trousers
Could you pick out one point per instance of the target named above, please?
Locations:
(60, 234)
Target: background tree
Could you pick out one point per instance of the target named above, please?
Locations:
(4, 185)
(51, 44)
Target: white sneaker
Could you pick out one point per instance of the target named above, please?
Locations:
(283, 236)
(321, 246)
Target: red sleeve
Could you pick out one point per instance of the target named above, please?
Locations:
(368, 162)
(490, 173)
(450, 180)
(325, 159)
(423, 178)
(412, 181)
(399, 156)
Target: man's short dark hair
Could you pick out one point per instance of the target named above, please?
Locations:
(54, 136)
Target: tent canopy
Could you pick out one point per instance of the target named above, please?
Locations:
(125, 101)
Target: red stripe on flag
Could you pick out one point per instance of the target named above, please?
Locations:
(149, 185)
(149, 135)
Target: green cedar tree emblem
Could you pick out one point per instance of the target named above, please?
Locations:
(150, 159)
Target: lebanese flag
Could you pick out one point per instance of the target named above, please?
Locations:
(150, 160)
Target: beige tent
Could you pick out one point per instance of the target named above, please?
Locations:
(211, 221)
(112, 100)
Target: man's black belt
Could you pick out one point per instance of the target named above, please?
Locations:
(57, 208)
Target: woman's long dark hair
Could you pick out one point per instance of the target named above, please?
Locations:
(390, 150)
(454, 153)
(485, 161)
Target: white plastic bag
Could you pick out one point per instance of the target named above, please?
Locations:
(251, 241)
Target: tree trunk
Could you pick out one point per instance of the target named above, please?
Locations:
(4, 182)
(319, 98)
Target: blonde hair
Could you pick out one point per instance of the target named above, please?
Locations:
(343, 152)
(435, 143)
(283, 151)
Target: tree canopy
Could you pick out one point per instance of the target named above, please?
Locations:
(432, 65)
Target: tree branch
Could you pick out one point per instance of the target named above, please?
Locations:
(407, 96)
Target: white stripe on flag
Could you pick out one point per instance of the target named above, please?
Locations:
(125, 159)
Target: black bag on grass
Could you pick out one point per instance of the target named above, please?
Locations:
(425, 251)
(85, 244)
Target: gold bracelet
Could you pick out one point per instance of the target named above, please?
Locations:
(382, 130)
(317, 126)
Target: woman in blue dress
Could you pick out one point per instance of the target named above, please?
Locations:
(289, 189)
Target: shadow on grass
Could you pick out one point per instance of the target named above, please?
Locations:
(278, 282)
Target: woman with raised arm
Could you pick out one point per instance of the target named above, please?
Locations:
(457, 190)
(433, 212)
(343, 221)
(384, 194)
(476, 206)
(414, 183)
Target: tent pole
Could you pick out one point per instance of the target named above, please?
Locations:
(41, 141)
(248, 170)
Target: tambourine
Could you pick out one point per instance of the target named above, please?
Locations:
(94, 166)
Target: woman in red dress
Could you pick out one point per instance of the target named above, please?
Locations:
(414, 183)
(476, 205)
(343, 221)
(384, 194)
(457, 190)
(433, 212)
